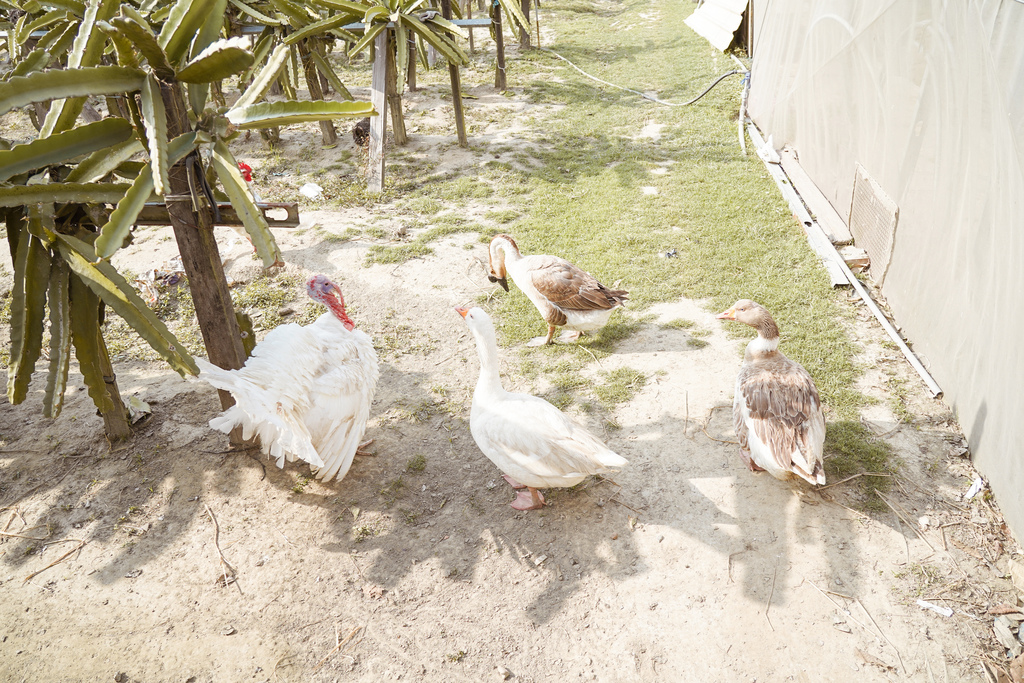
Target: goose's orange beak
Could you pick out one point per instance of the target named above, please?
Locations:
(461, 310)
(727, 315)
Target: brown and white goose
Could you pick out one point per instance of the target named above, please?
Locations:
(565, 295)
(776, 409)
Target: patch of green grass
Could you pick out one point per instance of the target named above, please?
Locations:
(922, 577)
(265, 292)
(417, 248)
(560, 400)
(620, 385)
(569, 381)
(175, 308)
(398, 339)
(677, 324)
(384, 254)
(389, 493)
(455, 656)
(416, 463)
(267, 295)
(463, 188)
(451, 219)
(409, 516)
(502, 216)
(696, 343)
(427, 206)
(898, 399)
(331, 237)
(300, 485)
(851, 449)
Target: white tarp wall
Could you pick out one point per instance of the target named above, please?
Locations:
(929, 98)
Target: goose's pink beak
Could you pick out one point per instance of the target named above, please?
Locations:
(727, 315)
(461, 310)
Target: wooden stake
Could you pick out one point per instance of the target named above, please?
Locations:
(469, 15)
(379, 123)
(499, 73)
(453, 72)
(200, 257)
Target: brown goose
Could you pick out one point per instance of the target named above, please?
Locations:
(776, 409)
(565, 295)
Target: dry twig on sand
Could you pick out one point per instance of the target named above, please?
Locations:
(227, 571)
(850, 478)
(905, 516)
(339, 644)
(60, 559)
(707, 421)
(898, 656)
(768, 605)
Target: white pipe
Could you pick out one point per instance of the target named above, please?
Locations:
(830, 252)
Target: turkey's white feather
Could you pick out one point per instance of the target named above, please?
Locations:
(305, 392)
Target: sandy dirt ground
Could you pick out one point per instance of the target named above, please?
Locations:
(172, 559)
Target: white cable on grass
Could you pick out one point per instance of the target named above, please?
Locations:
(643, 95)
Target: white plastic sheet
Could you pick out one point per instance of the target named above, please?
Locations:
(929, 98)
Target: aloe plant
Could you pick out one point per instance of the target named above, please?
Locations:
(56, 189)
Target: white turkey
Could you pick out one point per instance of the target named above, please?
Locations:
(534, 443)
(777, 410)
(305, 391)
(564, 294)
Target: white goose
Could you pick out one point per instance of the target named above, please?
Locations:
(305, 391)
(534, 443)
(565, 295)
(776, 410)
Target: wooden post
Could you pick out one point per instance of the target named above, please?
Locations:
(394, 99)
(469, 15)
(524, 33)
(327, 131)
(453, 72)
(200, 257)
(379, 123)
(499, 72)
